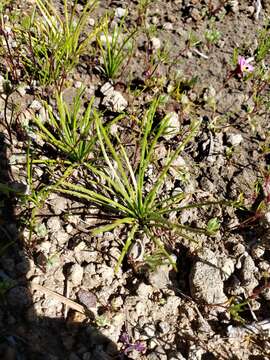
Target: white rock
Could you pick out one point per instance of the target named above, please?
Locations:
(257, 251)
(172, 305)
(58, 204)
(248, 272)
(205, 279)
(91, 21)
(54, 223)
(234, 139)
(114, 328)
(61, 236)
(164, 327)
(144, 291)
(141, 308)
(158, 354)
(267, 217)
(155, 20)
(227, 268)
(168, 26)
(69, 228)
(115, 101)
(266, 294)
(159, 278)
(77, 84)
(114, 129)
(45, 246)
(156, 43)
(106, 89)
(120, 12)
(107, 273)
(76, 274)
(173, 126)
(117, 302)
(195, 353)
(178, 168)
(2, 83)
(22, 90)
(36, 105)
(239, 249)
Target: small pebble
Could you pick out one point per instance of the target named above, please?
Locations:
(120, 12)
(156, 43)
(257, 251)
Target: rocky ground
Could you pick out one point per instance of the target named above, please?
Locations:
(60, 296)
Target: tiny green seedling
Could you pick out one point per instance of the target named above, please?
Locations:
(212, 35)
(235, 308)
(213, 226)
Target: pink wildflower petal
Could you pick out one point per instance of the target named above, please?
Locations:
(241, 62)
(244, 65)
(249, 68)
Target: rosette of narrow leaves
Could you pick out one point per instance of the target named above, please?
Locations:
(119, 188)
(68, 129)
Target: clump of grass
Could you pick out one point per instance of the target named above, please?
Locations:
(118, 186)
(263, 48)
(115, 46)
(69, 129)
(50, 46)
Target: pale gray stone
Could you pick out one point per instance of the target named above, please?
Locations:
(173, 126)
(115, 101)
(120, 12)
(156, 43)
(205, 279)
(54, 223)
(234, 139)
(76, 274)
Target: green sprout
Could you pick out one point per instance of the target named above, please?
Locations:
(69, 130)
(212, 35)
(115, 47)
(213, 226)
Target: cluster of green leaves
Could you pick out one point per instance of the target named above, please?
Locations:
(236, 307)
(263, 48)
(212, 35)
(116, 186)
(112, 180)
(70, 130)
(115, 46)
(50, 46)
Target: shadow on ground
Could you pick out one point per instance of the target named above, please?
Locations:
(23, 334)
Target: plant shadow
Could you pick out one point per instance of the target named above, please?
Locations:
(24, 334)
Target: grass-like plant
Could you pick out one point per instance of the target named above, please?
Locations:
(51, 44)
(69, 129)
(263, 49)
(115, 47)
(119, 187)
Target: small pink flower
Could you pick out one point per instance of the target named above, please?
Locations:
(244, 66)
